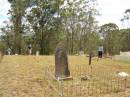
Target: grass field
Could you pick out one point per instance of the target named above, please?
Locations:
(23, 76)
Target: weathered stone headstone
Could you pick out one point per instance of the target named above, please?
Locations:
(61, 61)
(9, 51)
(37, 53)
(81, 53)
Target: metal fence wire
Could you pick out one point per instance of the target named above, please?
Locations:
(85, 82)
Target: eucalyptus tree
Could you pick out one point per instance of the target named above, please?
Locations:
(125, 43)
(17, 12)
(44, 20)
(111, 34)
(6, 37)
(78, 19)
(126, 20)
(49, 21)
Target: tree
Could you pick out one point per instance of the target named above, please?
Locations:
(45, 22)
(126, 19)
(17, 11)
(125, 39)
(78, 20)
(106, 28)
(111, 36)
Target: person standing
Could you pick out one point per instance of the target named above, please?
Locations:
(29, 49)
(100, 51)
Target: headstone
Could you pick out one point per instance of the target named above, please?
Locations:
(61, 62)
(9, 51)
(37, 53)
(81, 53)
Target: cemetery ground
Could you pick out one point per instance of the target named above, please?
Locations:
(32, 76)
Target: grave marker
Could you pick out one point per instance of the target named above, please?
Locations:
(61, 62)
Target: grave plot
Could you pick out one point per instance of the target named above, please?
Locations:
(86, 82)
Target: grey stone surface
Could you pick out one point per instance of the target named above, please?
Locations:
(61, 61)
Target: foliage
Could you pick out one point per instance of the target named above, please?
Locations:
(44, 23)
(125, 39)
(79, 22)
(111, 35)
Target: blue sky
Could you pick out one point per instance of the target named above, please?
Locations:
(110, 10)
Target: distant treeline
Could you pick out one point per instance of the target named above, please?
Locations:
(44, 23)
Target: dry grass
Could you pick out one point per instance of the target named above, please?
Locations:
(23, 76)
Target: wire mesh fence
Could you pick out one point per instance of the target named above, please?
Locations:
(98, 82)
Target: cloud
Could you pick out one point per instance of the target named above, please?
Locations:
(112, 11)
(4, 7)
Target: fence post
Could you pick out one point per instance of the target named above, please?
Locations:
(62, 92)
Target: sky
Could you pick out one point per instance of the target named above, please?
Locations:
(110, 10)
(4, 7)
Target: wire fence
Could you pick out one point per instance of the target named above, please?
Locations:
(99, 82)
